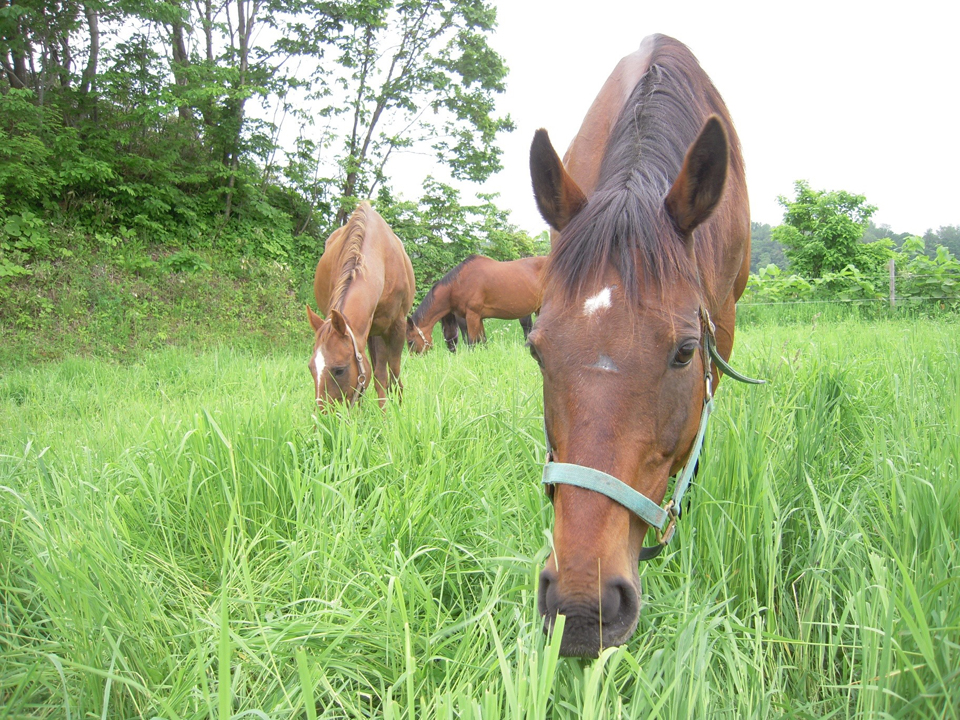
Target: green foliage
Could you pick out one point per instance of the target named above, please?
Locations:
(161, 135)
(764, 250)
(398, 58)
(920, 280)
(822, 230)
(948, 236)
(23, 237)
(28, 175)
(120, 302)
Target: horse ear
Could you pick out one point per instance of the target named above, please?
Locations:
(315, 320)
(698, 189)
(558, 196)
(409, 323)
(338, 321)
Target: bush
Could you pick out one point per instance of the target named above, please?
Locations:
(919, 280)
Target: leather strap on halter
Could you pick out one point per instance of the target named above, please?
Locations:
(361, 375)
(663, 519)
(427, 344)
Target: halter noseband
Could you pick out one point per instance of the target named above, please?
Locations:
(636, 502)
(427, 344)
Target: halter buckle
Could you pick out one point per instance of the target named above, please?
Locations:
(666, 535)
(427, 344)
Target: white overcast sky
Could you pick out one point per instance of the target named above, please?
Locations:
(857, 96)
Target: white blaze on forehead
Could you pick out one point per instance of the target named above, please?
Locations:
(600, 301)
(318, 364)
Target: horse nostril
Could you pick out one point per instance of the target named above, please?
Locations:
(620, 602)
(547, 578)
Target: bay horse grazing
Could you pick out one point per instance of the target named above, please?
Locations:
(650, 251)
(364, 286)
(477, 288)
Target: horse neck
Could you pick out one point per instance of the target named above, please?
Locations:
(582, 159)
(438, 307)
(359, 303)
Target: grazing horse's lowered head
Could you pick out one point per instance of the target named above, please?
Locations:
(417, 340)
(649, 250)
(340, 370)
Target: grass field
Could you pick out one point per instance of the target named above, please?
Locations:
(181, 538)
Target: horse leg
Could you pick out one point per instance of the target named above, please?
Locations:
(475, 331)
(451, 331)
(462, 324)
(526, 322)
(378, 357)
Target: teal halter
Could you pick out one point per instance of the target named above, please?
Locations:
(618, 491)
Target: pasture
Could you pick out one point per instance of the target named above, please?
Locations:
(180, 537)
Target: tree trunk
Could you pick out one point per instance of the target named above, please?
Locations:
(180, 62)
(90, 71)
(245, 25)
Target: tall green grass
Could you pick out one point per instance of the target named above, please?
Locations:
(182, 538)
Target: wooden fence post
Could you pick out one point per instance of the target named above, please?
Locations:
(893, 283)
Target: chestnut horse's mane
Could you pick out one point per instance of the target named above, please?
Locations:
(351, 254)
(624, 223)
(429, 298)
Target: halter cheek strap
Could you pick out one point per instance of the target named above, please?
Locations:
(664, 519)
(427, 344)
(361, 376)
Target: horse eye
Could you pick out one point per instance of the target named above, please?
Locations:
(535, 355)
(338, 371)
(685, 353)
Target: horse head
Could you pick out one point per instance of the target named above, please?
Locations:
(620, 340)
(417, 340)
(340, 370)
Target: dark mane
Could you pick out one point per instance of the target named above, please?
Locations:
(351, 254)
(429, 298)
(624, 224)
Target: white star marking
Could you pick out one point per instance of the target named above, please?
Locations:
(600, 301)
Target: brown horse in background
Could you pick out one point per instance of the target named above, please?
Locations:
(650, 248)
(364, 285)
(477, 288)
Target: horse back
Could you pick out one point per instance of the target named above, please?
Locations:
(507, 289)
(394, 267)
(385, 271)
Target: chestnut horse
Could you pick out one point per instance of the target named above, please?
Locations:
(650, 252)
(364, 285)
(477, 288)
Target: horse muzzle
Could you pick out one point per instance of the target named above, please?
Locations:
(604, 617)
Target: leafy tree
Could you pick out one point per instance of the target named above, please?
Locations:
(822, 229)
(764, 250)
(170, 130)
(947, 235)
(874, 232)
(418, 72)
